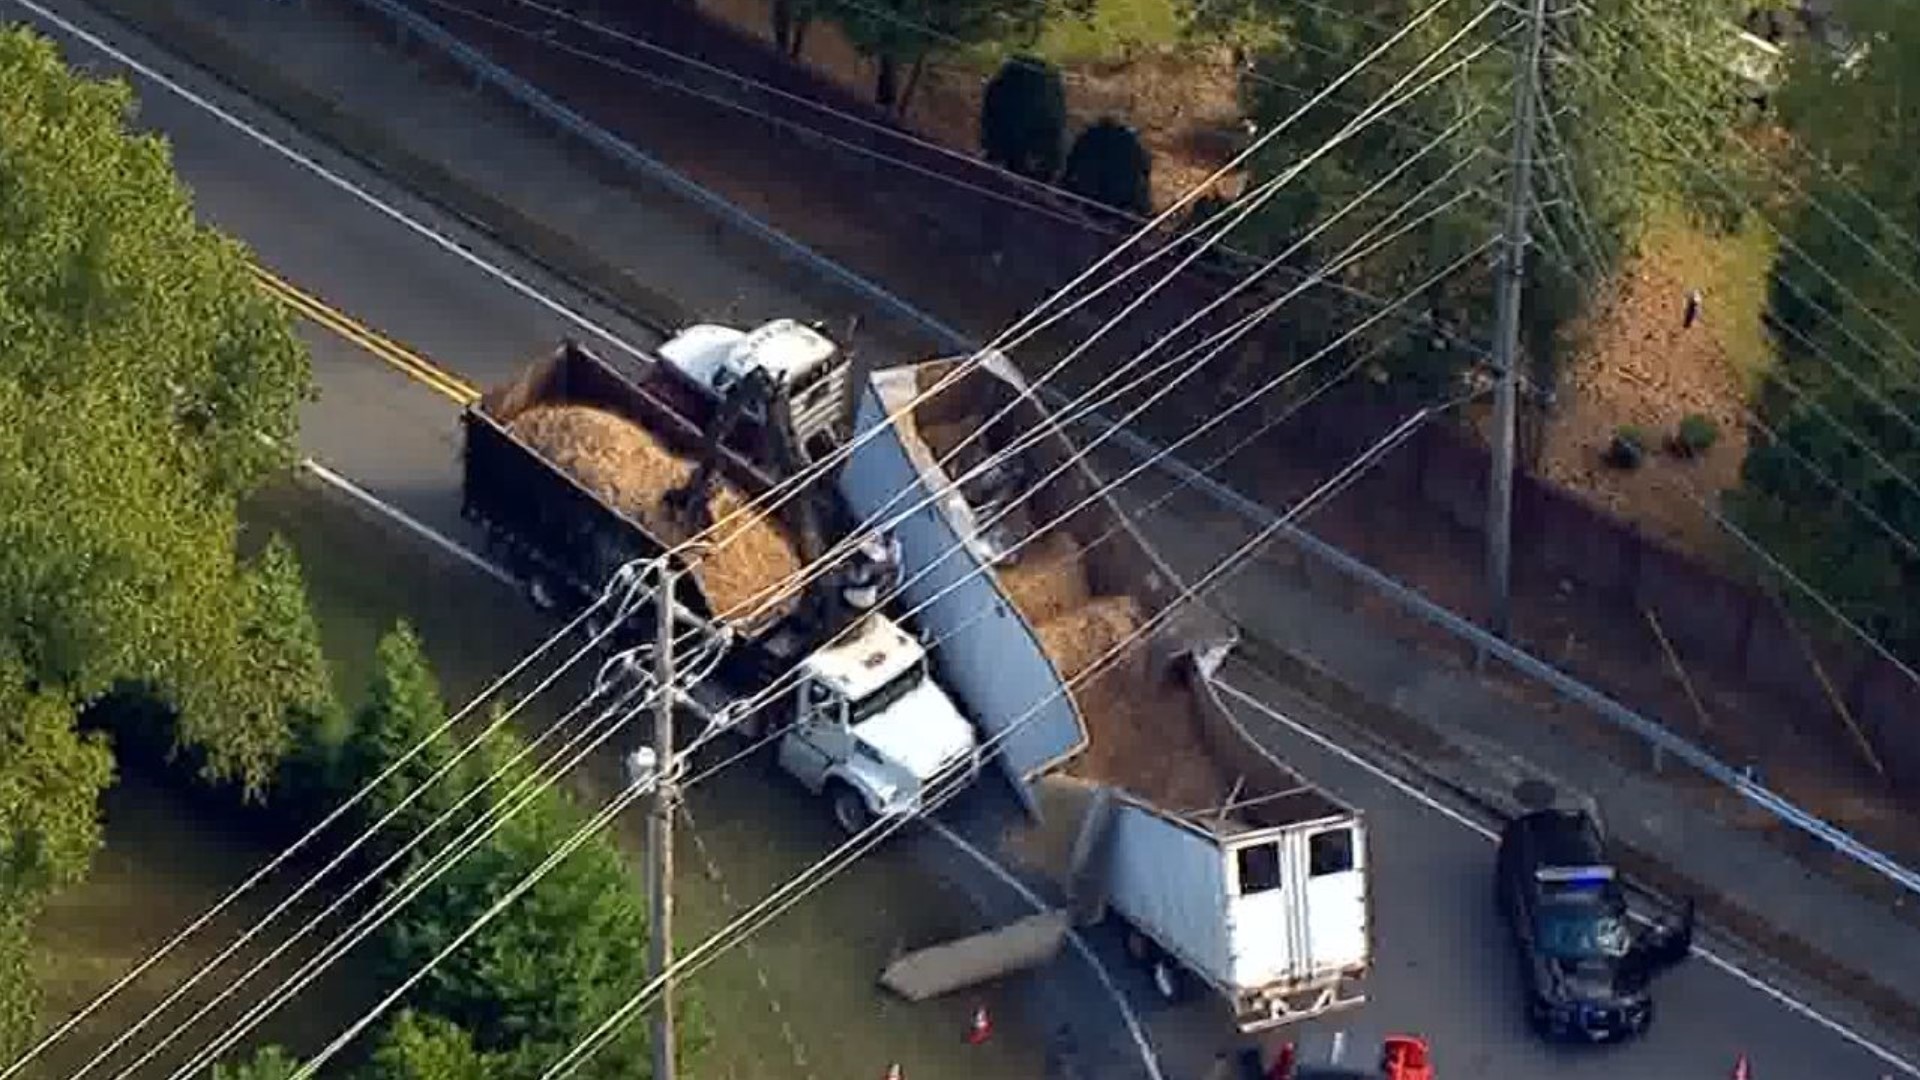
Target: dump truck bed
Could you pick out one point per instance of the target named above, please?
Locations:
(559, 521)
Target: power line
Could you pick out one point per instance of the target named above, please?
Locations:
(306, 974)
(1785, 240)
(421, 746)
(286, 854)
(769, 695)
(786, 488)
(1100, 493)
(799, 886)
(1250, 148)
(811, 132)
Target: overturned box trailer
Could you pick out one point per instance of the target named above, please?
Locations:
(1229, 870)
(1011, 638)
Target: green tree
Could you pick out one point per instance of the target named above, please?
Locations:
(266, 1063)
(551, 965)
(905, 34)
(404, 708)
(145, 386)
(1842, 399)
(1023, 118)
(1109, 165)
(423, 1047)
(51, 777)
(569, 951)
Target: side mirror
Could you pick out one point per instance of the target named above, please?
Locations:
(1668, 942)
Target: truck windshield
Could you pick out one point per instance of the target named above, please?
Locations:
(893, 690)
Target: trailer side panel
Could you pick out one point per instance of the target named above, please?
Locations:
(1172, 883)
(986, 653)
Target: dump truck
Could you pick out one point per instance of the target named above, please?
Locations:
(583, 465)
(1073, 645)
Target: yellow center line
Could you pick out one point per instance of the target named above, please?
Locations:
(410, 362)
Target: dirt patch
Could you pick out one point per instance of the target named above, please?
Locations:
(1635, 363)
(623, 464)
(1182, 100)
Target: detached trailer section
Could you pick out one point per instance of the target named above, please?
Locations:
(1265, 903)
(1023, 570)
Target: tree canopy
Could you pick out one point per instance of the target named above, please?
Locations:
(1828, 483)
(145, 387)
(898, 33)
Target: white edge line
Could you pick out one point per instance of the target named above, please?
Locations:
(1074, 938)
(305, 161)
(1779, 996)
(455, 548)
(408, 521)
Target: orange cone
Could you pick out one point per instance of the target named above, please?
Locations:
(1740, 1071)
(981, 1027)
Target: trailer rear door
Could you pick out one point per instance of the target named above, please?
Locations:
(1298, 903)
(1263, 926)
(1330, 859)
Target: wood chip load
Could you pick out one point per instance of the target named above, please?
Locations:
(624, 464)
(1046, 581)
(1080, 638)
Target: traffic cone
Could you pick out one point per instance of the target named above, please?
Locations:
(1282, 1063)
(980, 1028)
(1740, 1071)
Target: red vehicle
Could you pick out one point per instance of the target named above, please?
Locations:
(1402, 1057)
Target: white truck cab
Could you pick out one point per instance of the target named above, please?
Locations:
(872, 729)
(713, 358)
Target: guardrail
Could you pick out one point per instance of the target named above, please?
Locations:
(484, 71)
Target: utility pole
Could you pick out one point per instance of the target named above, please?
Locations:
(1513, 268)
(660, 825)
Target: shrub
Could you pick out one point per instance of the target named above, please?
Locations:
(1628, 448)
(1695, 436)
(1109, 165)
(1023, 118)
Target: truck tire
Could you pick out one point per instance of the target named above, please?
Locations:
(1168, 980)
(849, 809)
(540, 592)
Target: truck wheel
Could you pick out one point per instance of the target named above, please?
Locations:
(849, 809)
(1168, 980)
(540, 592)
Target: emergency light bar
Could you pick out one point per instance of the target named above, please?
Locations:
(1574, 875)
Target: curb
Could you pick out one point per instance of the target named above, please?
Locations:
(1362, 722)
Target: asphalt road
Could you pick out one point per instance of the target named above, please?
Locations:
(1441, 971)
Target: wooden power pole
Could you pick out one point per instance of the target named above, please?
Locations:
(1513, 269)
(660, 826)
